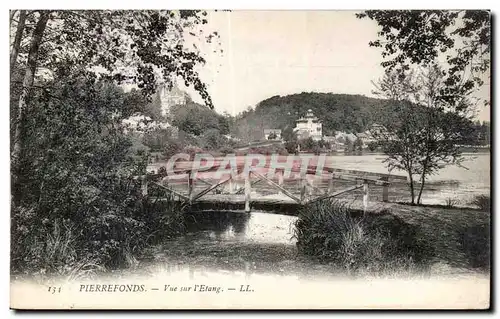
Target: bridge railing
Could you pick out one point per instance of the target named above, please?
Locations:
(254, 175)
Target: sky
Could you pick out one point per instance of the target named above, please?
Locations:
(267, 53)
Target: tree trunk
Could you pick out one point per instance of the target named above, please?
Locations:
(412, 190)
(17, 40)
(421, 188)
(12, 13)
(28, 80)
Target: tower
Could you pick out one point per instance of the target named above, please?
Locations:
(171, 97)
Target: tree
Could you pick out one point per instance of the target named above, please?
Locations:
(272, 136)
(348, 145)
(420, 134)
(291, 146)
(143, 47)
(307, 144)
(73, 175)
(416, 37)
(77, 171)
(372, 146)
(358, 145)
(213, 140)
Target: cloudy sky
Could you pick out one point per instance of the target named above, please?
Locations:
(267, 53)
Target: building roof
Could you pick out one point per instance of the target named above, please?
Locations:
(309, 115)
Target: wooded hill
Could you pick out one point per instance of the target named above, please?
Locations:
(338, 112)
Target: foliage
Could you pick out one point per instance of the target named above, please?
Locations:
(330, 231)
(483, 202)
(420, 133)
(372, 146)
(76, 200)
(338, 112)
(462, 38)
(348, 145)
(144, 47)
(481, 134)
(171, 148)
(159, 138)
(358, 145)
(451, 202)
(291, 146)
(272, 136)
(195, 119)
(226, 150)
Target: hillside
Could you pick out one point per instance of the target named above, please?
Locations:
(338, 112)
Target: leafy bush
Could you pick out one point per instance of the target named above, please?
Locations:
(372, 146)
(77, 205)
(451, 202)
(475, 242)
(332, 232)
(226, 150)
(192, 151)
(483, 202)
(291, 146)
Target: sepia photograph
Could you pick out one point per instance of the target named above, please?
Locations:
(250, 159)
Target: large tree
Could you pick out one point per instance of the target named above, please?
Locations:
(459, 38)
(419, 133)
(140, 47)
(75, 200)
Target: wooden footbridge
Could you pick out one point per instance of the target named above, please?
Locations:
(236, 186)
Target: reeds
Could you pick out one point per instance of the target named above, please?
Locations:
(483, 202)
(332, 232)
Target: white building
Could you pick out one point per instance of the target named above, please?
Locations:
(309, 126)
(171, 97)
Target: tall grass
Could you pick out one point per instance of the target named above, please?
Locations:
(483, 202)
(451, 202)
(56, 254)
(109, 238)
(332, 232)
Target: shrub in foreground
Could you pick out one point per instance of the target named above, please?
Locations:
(332, 232)
(483, 202)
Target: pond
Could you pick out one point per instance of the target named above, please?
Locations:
(229, 249)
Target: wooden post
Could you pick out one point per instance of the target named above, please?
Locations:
(330, 185)
(144, 186)
(248, 190)
(280, 179)
(365, 195)
(385, 189)
(231, 186)
(311, 189)
(190, 187)
(303, 185)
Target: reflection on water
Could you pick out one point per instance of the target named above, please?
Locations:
(258, 227)
(217, 224)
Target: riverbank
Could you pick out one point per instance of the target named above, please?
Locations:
(237, 242)
(227, 250)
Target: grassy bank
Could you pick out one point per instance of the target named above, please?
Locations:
(399, 238)
(74, 248)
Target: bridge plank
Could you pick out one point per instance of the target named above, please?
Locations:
(334, 194)
(172, 191)
(209, 189)
(285, 192)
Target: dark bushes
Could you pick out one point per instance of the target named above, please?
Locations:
(475, 243)
(77, 205)
(483, 202)
(332, 232)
